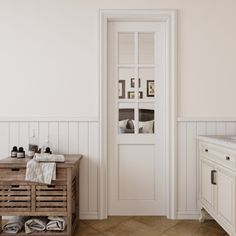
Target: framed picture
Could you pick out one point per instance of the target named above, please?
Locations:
(132, 82)
(140, 94)
(131, 95)
(121, 88)
(150, 88)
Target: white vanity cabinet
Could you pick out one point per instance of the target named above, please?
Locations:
(217, 176)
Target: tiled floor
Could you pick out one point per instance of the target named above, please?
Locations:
(147, 226)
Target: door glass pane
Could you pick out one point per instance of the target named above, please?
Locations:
(126, 118)
(126, 86)
(126, 48)
(146, 48)
(146, 118)
(147, 83)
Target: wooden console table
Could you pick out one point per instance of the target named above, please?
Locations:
(23, 198)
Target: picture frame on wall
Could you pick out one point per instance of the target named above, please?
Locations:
(132, 82)
(131, 95)
(121, 89)
(150, 88)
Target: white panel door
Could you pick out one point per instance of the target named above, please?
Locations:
(208, 184)
(226, 196)
(136, 91)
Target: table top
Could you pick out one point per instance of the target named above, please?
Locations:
(70, 161)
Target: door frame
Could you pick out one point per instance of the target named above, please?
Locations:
(169, 17)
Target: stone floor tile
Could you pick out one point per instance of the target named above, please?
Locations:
(127, 228)
(84, 230)
(104, 225)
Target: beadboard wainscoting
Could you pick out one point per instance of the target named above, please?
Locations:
(67, 137)
(188, 130)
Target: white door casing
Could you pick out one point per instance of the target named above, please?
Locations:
(167, 17)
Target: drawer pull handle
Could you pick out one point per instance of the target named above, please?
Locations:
(51, 186)
(213, 177)
(227, 158)
(206, 150)
(15, 169)
(15, 186)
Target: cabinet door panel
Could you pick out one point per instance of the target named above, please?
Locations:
(207, 189)
(226, 196)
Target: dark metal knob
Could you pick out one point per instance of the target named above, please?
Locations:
(227, 158)
(206, 150)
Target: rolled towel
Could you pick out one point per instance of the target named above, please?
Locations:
(14, 225)
(49, 157)
(35, 224)
(40, 172)
(56, 223)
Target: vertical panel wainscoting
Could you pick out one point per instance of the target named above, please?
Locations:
(188, 163)
(67, 137)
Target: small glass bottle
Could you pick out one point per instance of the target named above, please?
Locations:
(33, 145)
(21, 153)
(45, 145)
(14, 152)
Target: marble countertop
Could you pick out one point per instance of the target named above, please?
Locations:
(223, 140)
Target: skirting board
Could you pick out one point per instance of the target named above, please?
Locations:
(188, 215)
(89, 215)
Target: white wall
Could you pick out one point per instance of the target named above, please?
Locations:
(49, 67)
(52, 46)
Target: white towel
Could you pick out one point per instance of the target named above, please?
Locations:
(56, 223)
(40, 172)
(14, 225)
(49, 157)
(35, 224)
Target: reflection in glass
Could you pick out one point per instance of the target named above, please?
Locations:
(147, 87)
(126, 78)
(126, 48)
(146, 118)
(126, 121)
(146, 48)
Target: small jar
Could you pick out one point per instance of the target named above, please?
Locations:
(21, 153)
(14, 152)
(48, 150)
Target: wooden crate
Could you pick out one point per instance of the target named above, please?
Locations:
(15, 198)
(51, 198)
(23, 198)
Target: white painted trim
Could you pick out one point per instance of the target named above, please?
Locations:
(188, 215)
(88, 215)
(170, 18)
(48, 119)
(207, 119)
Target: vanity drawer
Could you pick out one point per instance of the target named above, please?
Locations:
(12, 174)
(218, 154)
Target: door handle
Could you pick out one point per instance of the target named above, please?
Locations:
(213, 177)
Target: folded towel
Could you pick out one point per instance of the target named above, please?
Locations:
(56, 223)
(49, 157)
(40, 172)
(14, 225)
(35, 224)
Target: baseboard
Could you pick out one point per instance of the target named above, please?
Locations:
(89, 215)
(188, 215)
